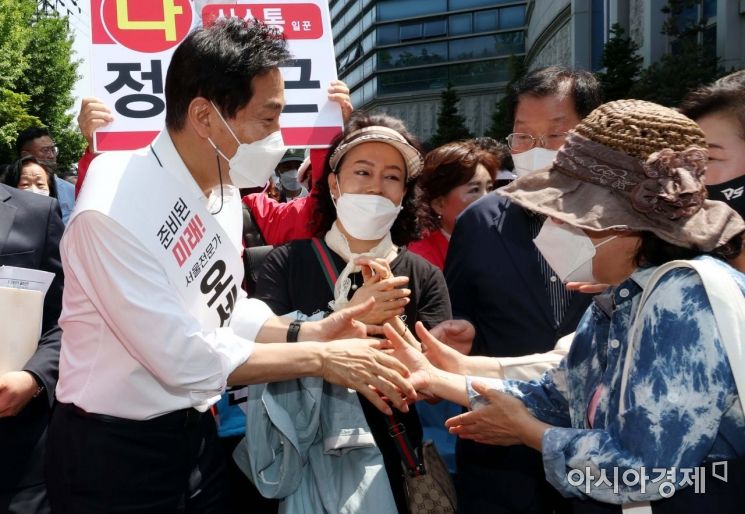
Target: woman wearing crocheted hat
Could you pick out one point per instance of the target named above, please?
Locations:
(647, 399)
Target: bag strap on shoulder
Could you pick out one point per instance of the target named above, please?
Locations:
(326, 260)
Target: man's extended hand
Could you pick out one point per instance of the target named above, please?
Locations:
(362, 366)
(456, 333)
(17, 388)
(341, 324)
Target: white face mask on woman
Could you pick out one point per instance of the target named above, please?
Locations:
(365, 217)
(568, 250)
(253, 163)
(38, 191)
(535, 159)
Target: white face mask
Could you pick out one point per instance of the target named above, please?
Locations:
(365, 217)
(253, 163)
(42, 192)
(535, 159)
(568, 250)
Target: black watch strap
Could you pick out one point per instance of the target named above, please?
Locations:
(294, 330)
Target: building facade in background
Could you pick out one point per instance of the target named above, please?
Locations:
(573, 32)
(398, 55)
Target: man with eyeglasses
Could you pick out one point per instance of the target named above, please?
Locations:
(37, 142)
(507, 301)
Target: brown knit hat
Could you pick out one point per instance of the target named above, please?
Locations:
(632, 165)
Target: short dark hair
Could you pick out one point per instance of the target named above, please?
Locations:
(725, 96)
(445, 168)
(500, 150)
(406, 227)
(547, 81)
(219, 63)
(13, 174)
(654, 251)
(28, 135)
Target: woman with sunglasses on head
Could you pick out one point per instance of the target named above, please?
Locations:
(365, 216)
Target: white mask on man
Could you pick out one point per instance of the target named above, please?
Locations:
(568, 250)
(535, 159)
(365, 217)
(253, 163)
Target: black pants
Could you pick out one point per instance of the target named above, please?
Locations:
(503, 480)
(98, 464)
(242, 495)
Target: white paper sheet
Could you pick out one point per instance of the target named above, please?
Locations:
(22, 292)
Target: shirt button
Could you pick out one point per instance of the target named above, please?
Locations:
(553, 278)
(623, 293)
(615, 343)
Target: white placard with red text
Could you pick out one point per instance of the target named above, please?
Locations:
(133, 40)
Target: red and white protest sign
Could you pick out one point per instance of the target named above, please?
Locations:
(133, 41)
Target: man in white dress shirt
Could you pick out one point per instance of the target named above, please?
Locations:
(154, 321)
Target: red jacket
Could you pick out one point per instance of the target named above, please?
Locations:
(283, 222)
(434, 248)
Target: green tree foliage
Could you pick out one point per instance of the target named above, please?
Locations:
(501, 118)
(622, 65)
(688, 66)
(37, 75)
(451, 126)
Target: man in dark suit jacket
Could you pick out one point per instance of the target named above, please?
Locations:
(30, 232)
(499, 282)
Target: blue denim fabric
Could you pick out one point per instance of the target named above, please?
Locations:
(682, 405)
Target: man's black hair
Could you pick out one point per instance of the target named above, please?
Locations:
(542, 82)
(218, 63)
(726, 96)
(28, 135)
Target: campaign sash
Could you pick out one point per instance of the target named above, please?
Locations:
(152, 196)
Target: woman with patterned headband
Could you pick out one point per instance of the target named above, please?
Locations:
(365, 217)
(648, 394)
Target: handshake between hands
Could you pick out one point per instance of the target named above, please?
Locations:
(385, 363)
(393, 367)
(398, 370)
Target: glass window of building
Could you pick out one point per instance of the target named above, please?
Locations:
(404, 81)
(412, 55)
(460, 24)
(598, 32)
(464, 4)
(388, 34)
(481, 72)
(484, 21)
(395, 9)
(410, 31)
(435, 28)
(512, 17)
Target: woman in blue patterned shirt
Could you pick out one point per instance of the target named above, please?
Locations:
(625, 195)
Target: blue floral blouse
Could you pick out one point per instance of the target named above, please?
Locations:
(682, 406)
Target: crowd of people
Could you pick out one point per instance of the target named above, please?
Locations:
(237, 328)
